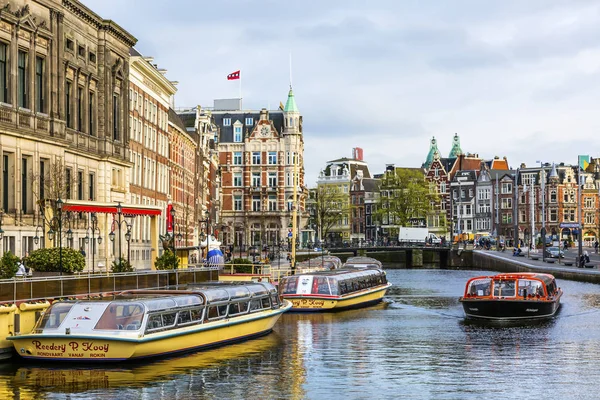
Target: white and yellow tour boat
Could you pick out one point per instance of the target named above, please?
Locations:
(142, 324)
(334, 290)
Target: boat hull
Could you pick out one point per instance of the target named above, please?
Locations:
(503, 309)
(316, 303)
(96, 348)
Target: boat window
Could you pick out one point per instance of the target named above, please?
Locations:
(333, 286)
(238, 292)
(160, 304)
(196, 313)
(188, 300)
(255, 305)
(238, 308)
(320, 285)
(184, 317)
(266, 303)
(504, 288)
(222, 310)
(119, 316)
(479, 287)
(530, 287)
(154, 322)
(215, 295)
(290, 285)
(54, 316)
(275, 300)
(169, 318)
(258, 290)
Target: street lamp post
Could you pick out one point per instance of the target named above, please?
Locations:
(1, 230)
(92, 249)
(207, 222)
(58, 221)
(36, 238)
(111, 235)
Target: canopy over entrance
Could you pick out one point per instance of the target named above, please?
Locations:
(110, 208)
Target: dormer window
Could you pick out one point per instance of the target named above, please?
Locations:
(237, 134)
(249, 121)
(226, 121)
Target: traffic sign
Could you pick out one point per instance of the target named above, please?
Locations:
(289, 234)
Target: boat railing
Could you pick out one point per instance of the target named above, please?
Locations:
(90, 284)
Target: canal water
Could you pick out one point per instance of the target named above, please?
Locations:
(416, 345)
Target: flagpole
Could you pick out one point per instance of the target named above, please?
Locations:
(241, 90)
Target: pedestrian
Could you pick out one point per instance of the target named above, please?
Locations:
(596, 246)
(21, 269)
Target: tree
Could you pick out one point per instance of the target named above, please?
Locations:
(48, 260)
(121, 265)
(330, 205)
(168, 260)
(404, 198)
(9, 264)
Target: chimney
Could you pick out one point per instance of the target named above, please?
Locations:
(357, 153)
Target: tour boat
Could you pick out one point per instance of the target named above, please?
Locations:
(319, 263)
(362, 262)
(511, 296)
(149, 323)
(334, 290)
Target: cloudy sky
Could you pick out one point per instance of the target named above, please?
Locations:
(513, 78)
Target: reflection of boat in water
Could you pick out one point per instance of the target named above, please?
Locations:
(334, 290)
(362, 262)
(142, 324)
(71, 380)
(511, 296)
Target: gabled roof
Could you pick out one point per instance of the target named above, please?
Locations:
(226, 132)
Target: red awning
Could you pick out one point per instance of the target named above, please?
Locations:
(109, 209)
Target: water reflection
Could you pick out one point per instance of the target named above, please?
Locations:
(416, 345)
(208, 366)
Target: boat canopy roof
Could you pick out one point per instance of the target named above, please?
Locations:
(345, 273)
(362, 262)
(547, 279)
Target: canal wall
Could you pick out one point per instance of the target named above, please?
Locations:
(421, 258)
(494, 262)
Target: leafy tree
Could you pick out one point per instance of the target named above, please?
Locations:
(48, 260)
(404, 196)
(9, 265)
(330, 204)
(168, 260)
(121, 265)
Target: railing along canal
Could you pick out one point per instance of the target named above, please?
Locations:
(45, 287)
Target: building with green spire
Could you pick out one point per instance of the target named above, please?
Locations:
(290, 104)
(432, 150)
(456, 150)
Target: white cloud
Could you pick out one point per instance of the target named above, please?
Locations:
(514, 78)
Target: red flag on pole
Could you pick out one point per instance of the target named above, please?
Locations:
(233, 76)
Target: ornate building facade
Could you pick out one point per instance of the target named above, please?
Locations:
(150, 94)
(64, 83)
(261, 160)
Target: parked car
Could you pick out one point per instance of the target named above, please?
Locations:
(554, 252)
(253, 251)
